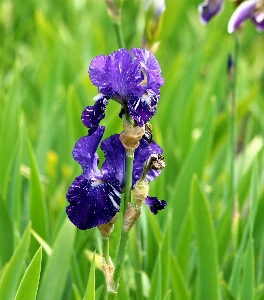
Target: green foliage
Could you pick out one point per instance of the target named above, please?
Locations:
(90, 289)
(203, 245)
(29, 283)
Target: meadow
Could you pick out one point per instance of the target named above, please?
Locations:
(208, 243)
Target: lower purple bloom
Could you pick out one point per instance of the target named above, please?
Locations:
(94, 197)
(92, 202)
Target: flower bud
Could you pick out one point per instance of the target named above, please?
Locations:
(140, 192)
(153, 18)
(113, 10)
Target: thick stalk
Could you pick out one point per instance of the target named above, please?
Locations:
(119, 35)
(125, 233)
(138, 273)
(106, 249)
(233, 136)
(233, 117)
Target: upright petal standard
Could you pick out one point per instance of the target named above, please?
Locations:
(132, 79)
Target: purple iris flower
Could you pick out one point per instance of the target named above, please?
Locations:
(155, 205)
(133, 80)
(95, 196)
(249, 9)
(208, 9)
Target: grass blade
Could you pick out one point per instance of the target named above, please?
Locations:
(90, 289)
(6, 233)
(207, 261)
(29, 283)
(56, 271)
(10, 278)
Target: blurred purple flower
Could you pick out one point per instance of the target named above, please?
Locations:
(253, 9)
(208, 9)
(155, 205)
(95, 196)
(134, 82)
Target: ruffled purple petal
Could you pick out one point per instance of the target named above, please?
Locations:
(258, 21)
(151, 67)
(142, 154)
(155, 205)
(100, 74)
(243, 12)
(92, 115)
(208, 9)
(115, 159)
(144, 108)
(92, 202)
(84, 153)
(126, 75)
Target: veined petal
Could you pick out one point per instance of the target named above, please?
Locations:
(126, 75)
(92, 115)
(144, 108)
(115, 159)
(243, 12)
(142, 154)
(155, 204)
(208, 9)
(150, 65)
(100, 73)
(92, 202)
(84, 153)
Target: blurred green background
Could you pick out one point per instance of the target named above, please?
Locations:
(203, 245)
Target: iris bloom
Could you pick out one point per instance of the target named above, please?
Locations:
(95, 196)
(208, 9)
(249, 9)
(133, 80)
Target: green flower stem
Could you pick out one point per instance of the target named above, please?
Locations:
(232, 95)
(119, 35)
(106, 249)
(138, 273)
(125, 233)
(128, 185)
(233, 119)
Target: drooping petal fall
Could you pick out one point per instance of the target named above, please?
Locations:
(144, 108)
(115, 159)
(142, 154)
(92, 202)
(85, 154)
(92, 115)
(155, 204)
